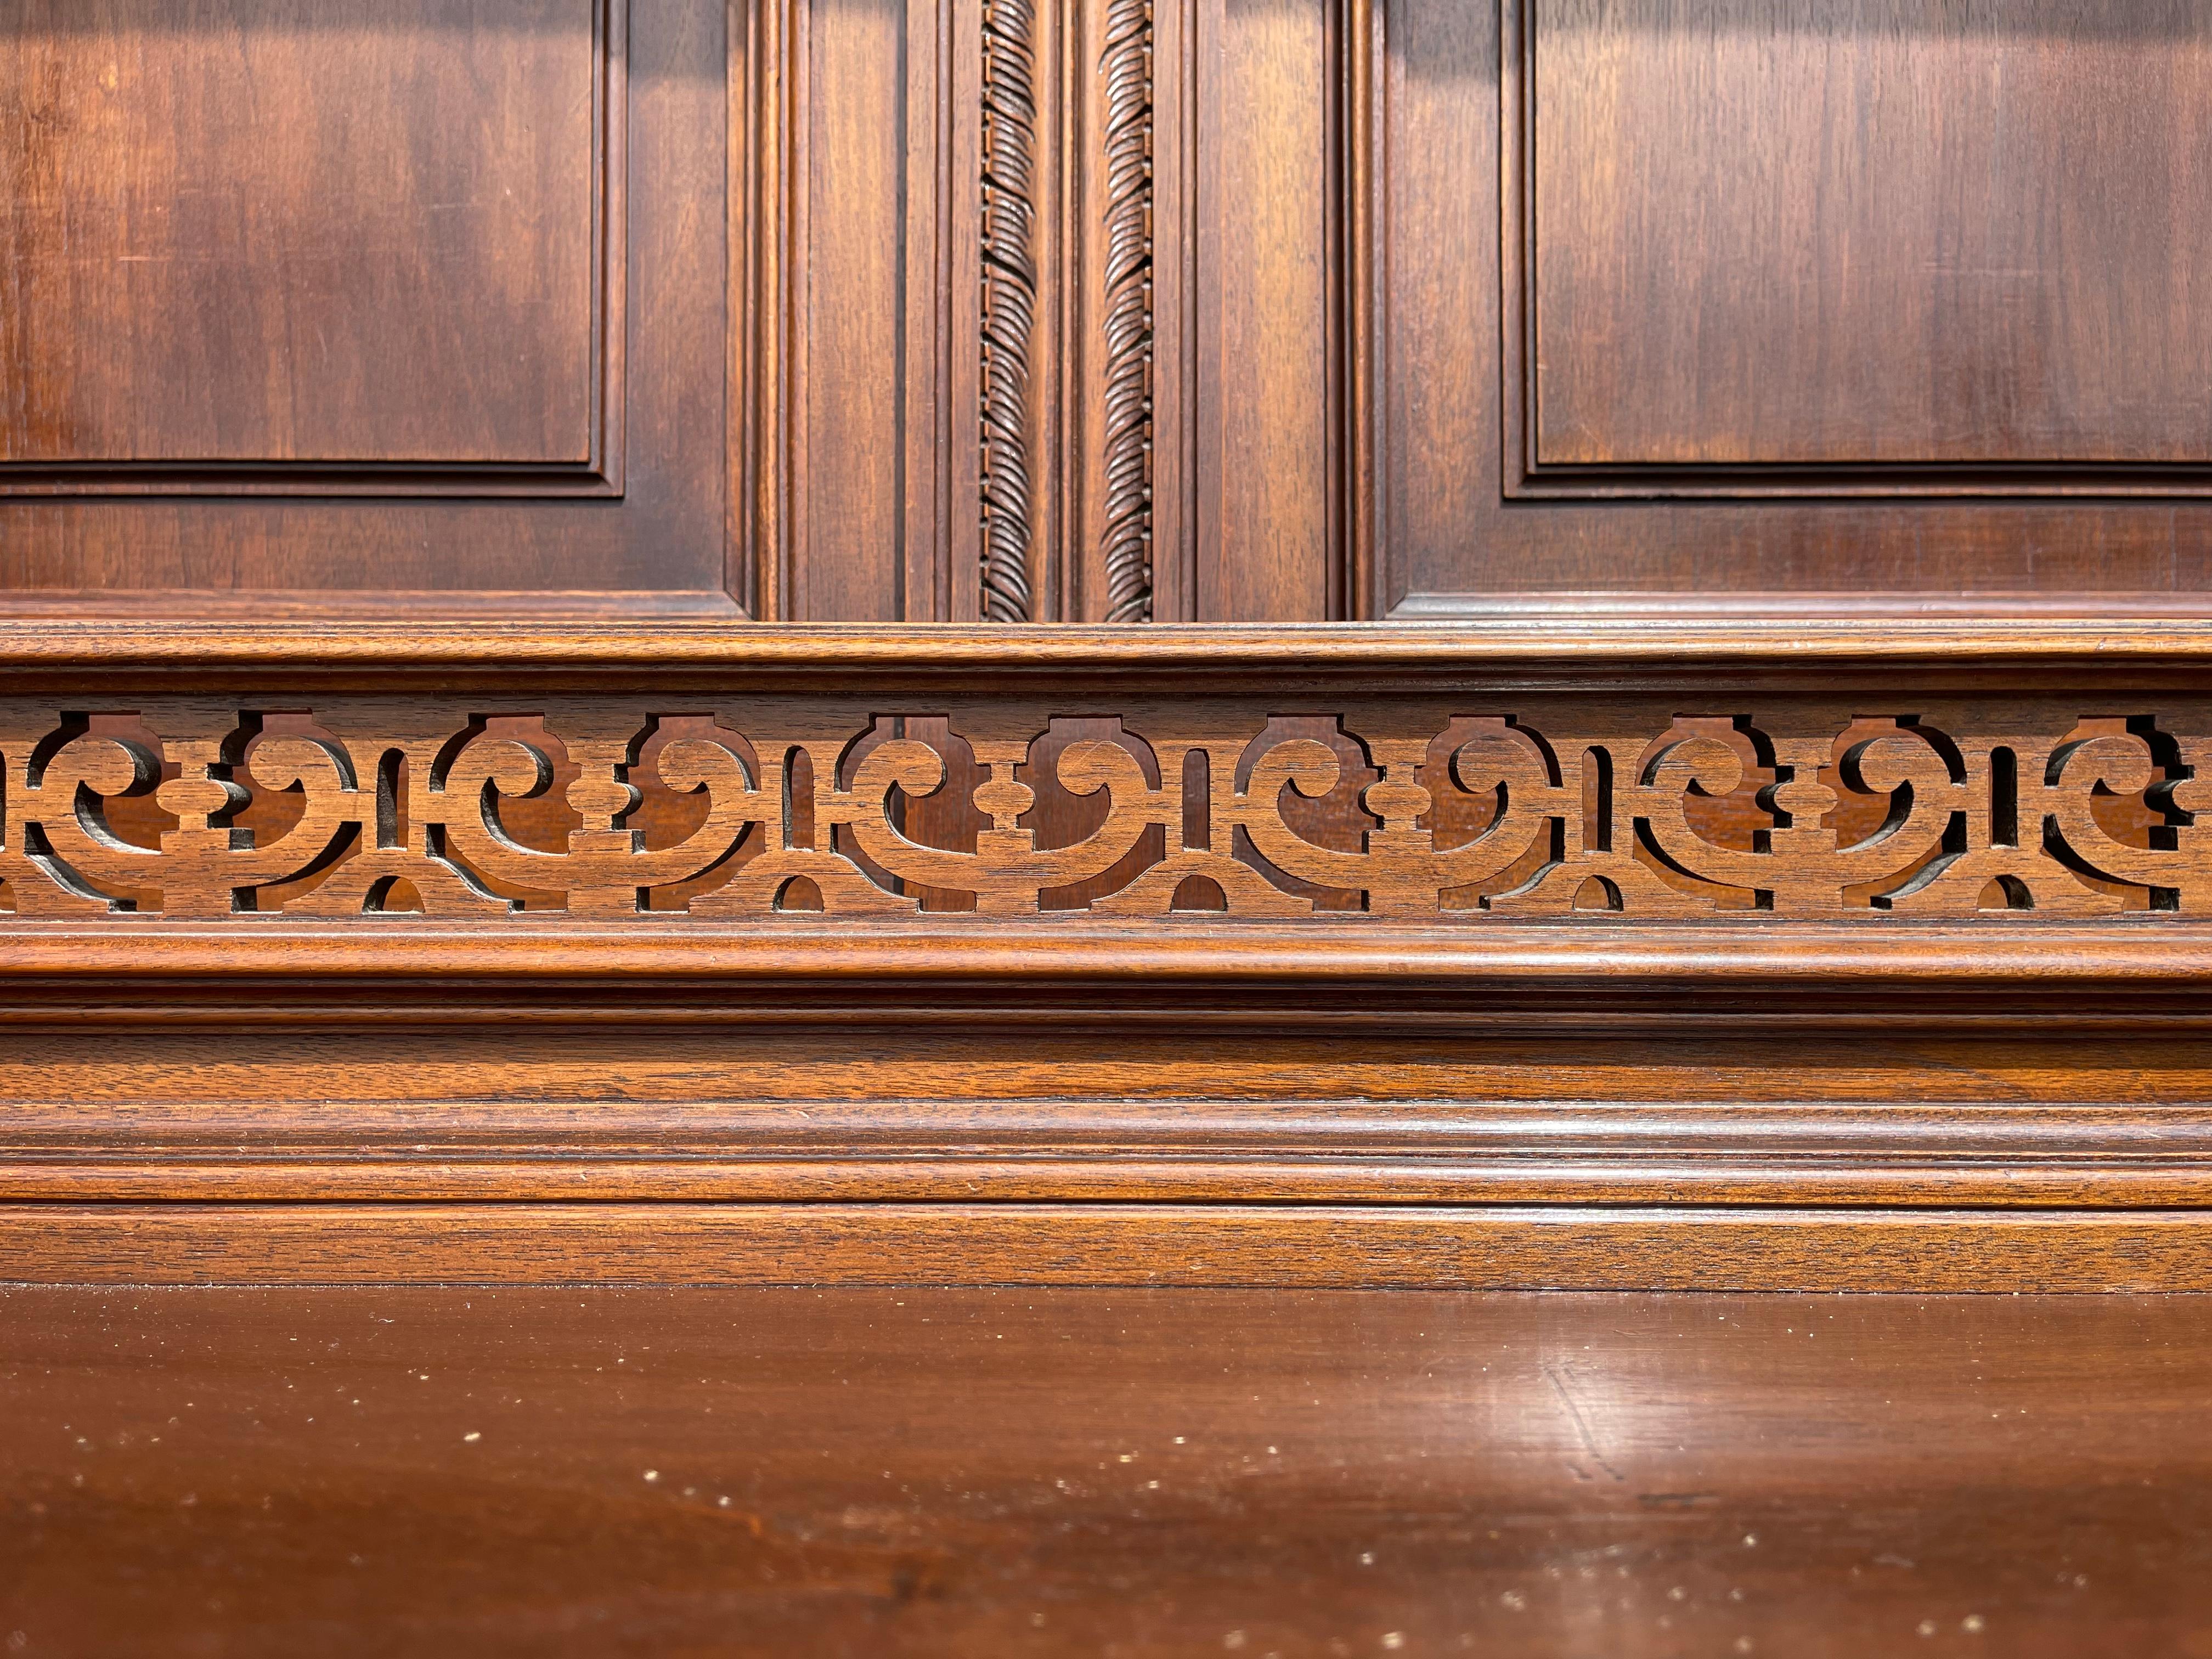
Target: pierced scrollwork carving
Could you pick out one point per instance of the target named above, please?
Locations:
(1409, 810)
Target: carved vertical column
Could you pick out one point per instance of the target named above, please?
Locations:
(1010, 308)
(1066, 399)
(1125, 69)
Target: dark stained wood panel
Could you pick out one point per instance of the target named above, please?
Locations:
(300, 231)
(1267, 535)
(1147, 1474)
(1276, 309)
(1817, 232)
(639, 525)
(1469, 525)
(851, 294)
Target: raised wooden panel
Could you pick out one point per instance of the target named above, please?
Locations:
(445, 330)
(290, 243)
(1469, 519)
(1870, 234)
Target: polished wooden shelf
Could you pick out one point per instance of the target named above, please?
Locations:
(1180, 1472)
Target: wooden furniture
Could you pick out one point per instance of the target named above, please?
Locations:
(1629, 707)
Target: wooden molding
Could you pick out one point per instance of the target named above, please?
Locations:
(1008, 234)
(2133, 641)
(1126, 55)
(1068, 370)
(1566, 1248)
(770, 938)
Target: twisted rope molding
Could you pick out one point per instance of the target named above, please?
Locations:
(1126, 540)
(1009, 302)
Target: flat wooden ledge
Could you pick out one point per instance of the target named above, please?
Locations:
(1544, 642)
(515, 1473)
(1071, 943)
(1455, 1247)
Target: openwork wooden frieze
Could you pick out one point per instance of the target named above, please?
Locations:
(1406, 808)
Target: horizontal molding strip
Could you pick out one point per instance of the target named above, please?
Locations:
(1531, 639)
(1473, 1248)
(2168, 1171)
(1737, 957)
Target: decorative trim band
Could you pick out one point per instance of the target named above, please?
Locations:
(1411, 808)
(1702, 651)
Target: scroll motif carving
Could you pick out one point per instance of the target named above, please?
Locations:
(197, 808)
(1010, 290)
(1127, 71)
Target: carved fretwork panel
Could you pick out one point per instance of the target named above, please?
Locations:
(1411, 807)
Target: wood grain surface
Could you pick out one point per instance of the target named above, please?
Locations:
(384, 282)
(357, 306)
(1861, 240)
(1090, 1472)
(574, 307)
(1825, 641)
(945, 1242)
(1671, 127)
(783, 1083)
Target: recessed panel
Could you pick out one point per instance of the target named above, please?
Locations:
(300, 234)
(1869, 234)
